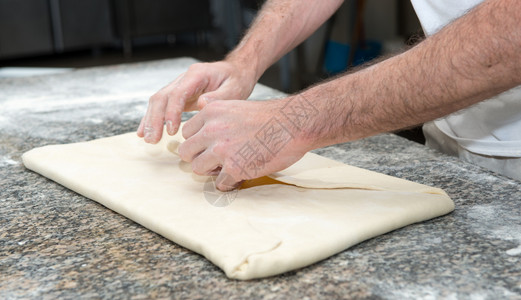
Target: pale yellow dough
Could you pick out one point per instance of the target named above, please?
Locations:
(267, 230)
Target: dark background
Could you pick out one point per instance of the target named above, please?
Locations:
(79, 33)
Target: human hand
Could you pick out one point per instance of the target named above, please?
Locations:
(192, 90)
(239, 140)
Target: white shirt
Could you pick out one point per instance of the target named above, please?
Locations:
(492, 127)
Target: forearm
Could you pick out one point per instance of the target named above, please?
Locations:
(470, 60)
(279, 27)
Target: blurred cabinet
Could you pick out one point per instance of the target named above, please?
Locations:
(164, 16)
(82, 24)
(35, 27)
(25, 28)
(139, 18)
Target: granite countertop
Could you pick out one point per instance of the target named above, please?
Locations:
(55, 243)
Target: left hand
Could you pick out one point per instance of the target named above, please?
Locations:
(240, 140)
(192, 90)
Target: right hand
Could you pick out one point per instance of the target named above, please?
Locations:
(192, 90)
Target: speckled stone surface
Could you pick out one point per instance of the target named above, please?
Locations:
(55, 243)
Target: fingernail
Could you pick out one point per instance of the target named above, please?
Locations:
(202, 102)
(149, 132)
(226, 182)
(169, 127)
(226, 187)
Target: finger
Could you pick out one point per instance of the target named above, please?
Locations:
(194, 125)
(174, 110)
(177, 101)
(154, 118)
(206, 98)
(225, 182)
(205, 163)
(151, 125)
(140, 128)
(193, 88)
(225, 92)
(192, 147)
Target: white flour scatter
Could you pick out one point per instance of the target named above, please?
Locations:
(57, 102)
(7, 161)
(90, 97)
(500, 224)
(514, 251)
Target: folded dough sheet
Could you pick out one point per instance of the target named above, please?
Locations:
(312, 210)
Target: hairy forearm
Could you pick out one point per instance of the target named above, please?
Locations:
(279, 27)
(470, 60)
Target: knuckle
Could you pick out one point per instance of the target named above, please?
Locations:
(175, 104)
(219, 149)
(156, 98)
(196, 68)
(213, 129)
(192, 68)
(173, 115)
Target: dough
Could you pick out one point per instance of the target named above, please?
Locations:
(306, 213)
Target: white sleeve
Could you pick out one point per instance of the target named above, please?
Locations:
(434, 14)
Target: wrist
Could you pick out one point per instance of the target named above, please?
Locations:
(299, 116)
(247, 61)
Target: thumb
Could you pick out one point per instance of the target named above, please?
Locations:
(206, 98)
(225, 182)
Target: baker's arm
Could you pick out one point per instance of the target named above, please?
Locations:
(472, 59)
(280, 26)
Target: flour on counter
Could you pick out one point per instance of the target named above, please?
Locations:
(7, 161)
(500, 224)
(52, 103)
(412, 290)
(514, 251)
(88, 97)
